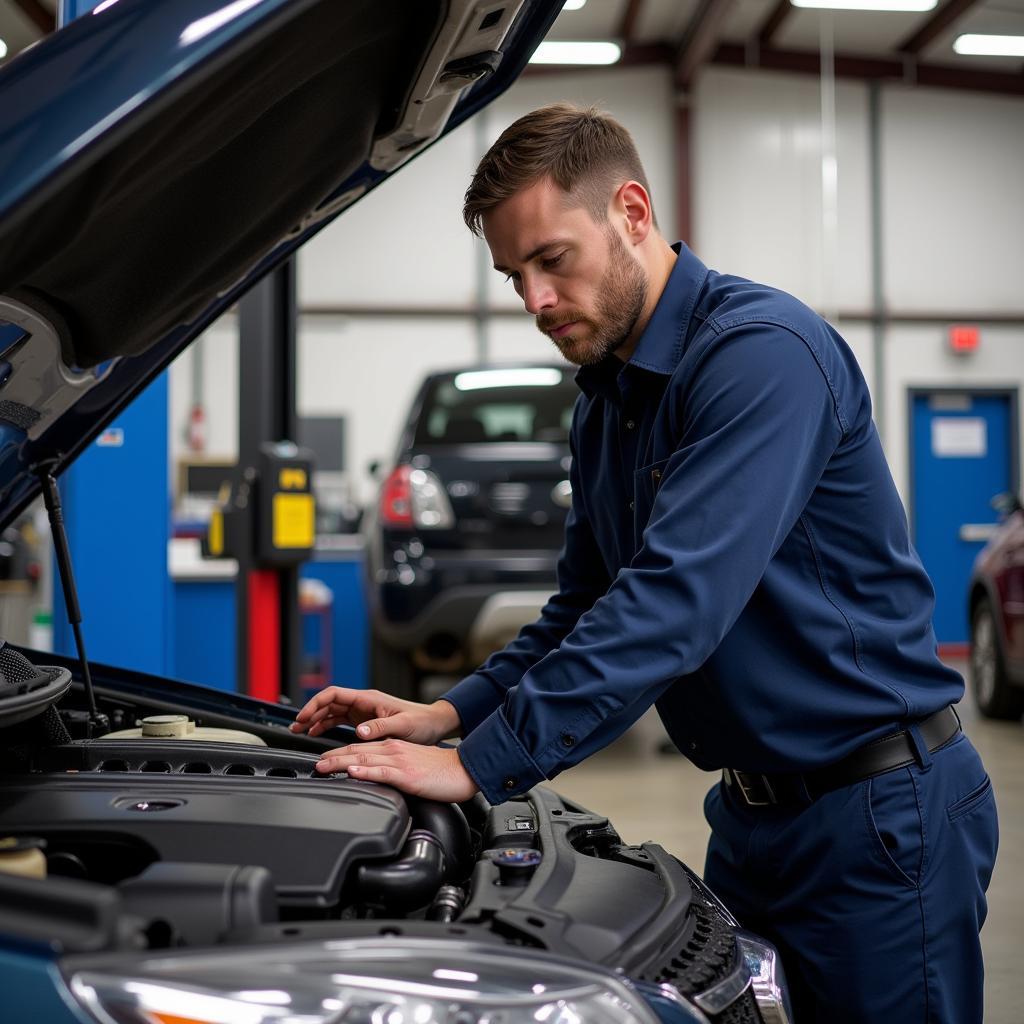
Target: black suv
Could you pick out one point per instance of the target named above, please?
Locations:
(462, 543)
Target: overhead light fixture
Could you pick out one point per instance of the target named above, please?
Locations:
(990, 46)
(867, 5)
(576, 53)
(573, 5)
(3, 49)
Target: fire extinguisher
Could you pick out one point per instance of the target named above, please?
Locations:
(196, 435)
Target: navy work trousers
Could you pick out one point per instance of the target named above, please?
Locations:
(874, 893)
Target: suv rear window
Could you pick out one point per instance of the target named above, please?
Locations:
(498, 405)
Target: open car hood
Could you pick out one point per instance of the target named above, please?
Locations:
(157, 159)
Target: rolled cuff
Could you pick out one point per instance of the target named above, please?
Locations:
(498, 763)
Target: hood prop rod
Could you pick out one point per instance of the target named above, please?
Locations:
(97, 723)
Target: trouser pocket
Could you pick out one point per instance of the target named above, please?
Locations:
(895, 824)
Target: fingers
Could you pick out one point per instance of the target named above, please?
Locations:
(360, 755)
(343, 704)
(433, 772)
(397, 726)
(314, 708)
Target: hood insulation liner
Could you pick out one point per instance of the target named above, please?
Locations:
(146, 229)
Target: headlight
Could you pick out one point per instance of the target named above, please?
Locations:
(767, 979)
(759, 969)
(375, 981)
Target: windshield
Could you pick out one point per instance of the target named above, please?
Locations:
(498, 406)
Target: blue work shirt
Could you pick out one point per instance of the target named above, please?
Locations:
(736, 552)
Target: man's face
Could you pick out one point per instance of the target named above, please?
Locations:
(574, 274)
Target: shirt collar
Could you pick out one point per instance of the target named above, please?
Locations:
(661, 345)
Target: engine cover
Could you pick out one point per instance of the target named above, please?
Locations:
(307, 831)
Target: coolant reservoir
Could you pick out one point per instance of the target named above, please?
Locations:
(23, 856)
(181, 727)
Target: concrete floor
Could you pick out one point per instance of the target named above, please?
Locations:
(648, 796)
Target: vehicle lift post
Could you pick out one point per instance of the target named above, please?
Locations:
(269, 637)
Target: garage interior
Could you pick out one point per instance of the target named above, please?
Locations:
(864, 160)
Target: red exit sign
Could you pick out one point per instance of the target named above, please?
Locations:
(963, 340)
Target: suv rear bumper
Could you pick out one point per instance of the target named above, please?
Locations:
(476, 615)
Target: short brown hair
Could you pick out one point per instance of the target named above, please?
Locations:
(586, 152)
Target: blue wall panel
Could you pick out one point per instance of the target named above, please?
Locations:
(204, 632)
(117, 512)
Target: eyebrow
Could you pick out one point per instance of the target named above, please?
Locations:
(533, 253)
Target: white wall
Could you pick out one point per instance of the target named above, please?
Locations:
(758, 185)
(953, 218)
(953, 165)
(953, 200)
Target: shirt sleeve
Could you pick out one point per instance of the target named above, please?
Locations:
(759, 426)
(582, 577)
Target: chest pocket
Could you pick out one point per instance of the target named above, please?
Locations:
(646, 482)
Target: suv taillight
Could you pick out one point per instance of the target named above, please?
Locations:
(415, 499)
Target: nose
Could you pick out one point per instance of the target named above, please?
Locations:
(538, 295)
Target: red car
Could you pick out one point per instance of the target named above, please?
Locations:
(996, 611)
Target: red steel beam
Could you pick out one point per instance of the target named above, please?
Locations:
(630, 16)
(700, 39)
(43, 19)
(853, 66)
(683, 173)
(772, 24)
(934, 26)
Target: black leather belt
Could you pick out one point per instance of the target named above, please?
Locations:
(882, 755)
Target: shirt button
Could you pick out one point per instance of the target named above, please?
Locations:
(511, 782)
(630, 424)
(568, 739)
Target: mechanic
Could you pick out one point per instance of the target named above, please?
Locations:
(736, 554)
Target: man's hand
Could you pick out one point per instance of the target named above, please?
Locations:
(432, 772)
(377, 715)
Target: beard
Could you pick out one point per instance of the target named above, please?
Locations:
(622, 295)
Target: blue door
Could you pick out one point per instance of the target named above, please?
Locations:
(961, 447)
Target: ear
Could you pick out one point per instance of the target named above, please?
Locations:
(631, 209)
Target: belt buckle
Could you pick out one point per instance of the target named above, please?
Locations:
(747, 783)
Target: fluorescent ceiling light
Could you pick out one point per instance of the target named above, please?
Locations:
(990, 46)
(3, 49)
(576, 53)
(573, 5)
(867, 5)
(514, 377)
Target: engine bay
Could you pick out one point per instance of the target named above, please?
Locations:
(151, 842)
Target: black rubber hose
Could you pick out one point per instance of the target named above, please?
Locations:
(449, 826)
(411, 881)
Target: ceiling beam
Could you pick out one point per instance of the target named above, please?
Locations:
(630, 16)
(893, 69)
(44, 20)
(772, 24)
(934, 26)
(700, 39)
